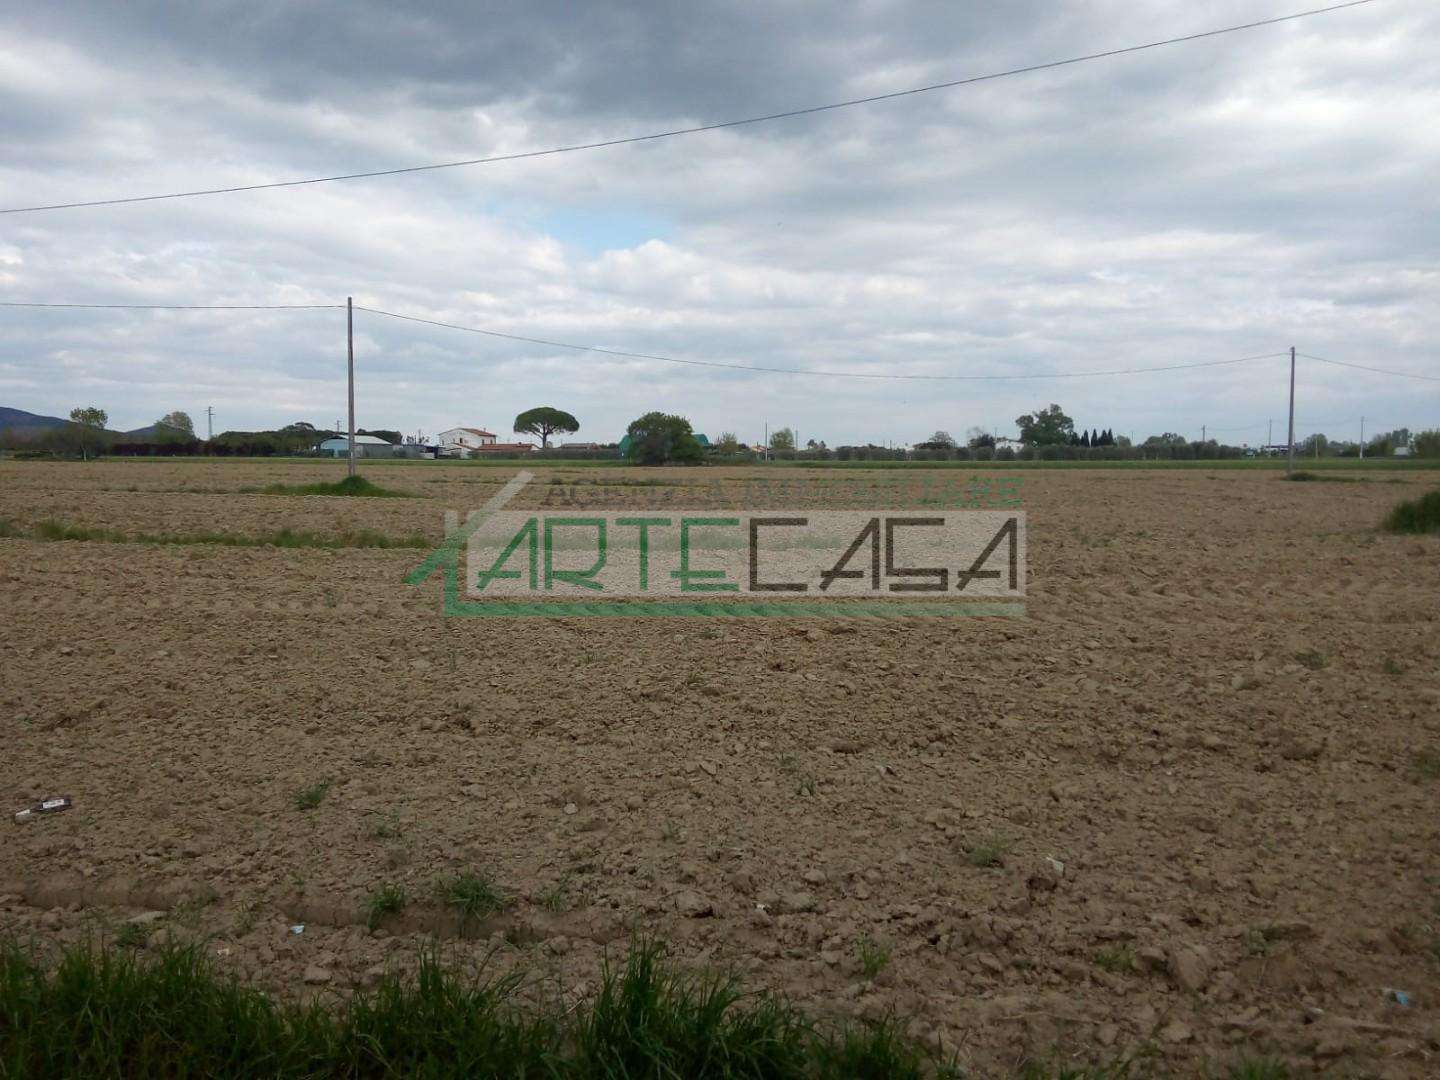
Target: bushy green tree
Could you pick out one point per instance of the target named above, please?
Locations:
(660, 438)
(179, 421)
(782, 439)
(545, 421)
(90, 420)
(1048, 427)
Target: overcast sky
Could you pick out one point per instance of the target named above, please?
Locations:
(1203, 201)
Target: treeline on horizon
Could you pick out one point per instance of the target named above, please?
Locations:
(1051, 437)
(65, 440)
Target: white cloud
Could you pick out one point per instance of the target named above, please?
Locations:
(1207, 201)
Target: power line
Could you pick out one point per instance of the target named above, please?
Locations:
(178, 307)
(802, 371)
(1379, 371)
(626, 354)
(653, 136)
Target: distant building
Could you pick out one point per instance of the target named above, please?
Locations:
(459, 441)
(500, 449)
(365, 446)
(1403, 451)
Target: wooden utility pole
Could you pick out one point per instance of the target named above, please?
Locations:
(350, 369)
(1362, 438)
(1290, 450)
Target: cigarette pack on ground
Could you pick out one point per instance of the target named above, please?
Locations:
(45, 806)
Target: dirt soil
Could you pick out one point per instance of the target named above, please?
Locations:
(1186, 808)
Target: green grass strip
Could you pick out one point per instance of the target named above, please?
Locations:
(108, 1013)
(104, 1013)
(283, 538)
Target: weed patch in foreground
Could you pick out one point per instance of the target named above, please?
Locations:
(112, 1013)
(1420, 515)
(108, 1014)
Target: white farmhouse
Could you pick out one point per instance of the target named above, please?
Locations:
(459, 441)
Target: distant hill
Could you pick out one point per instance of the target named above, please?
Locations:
(19, 418)
(156, 430)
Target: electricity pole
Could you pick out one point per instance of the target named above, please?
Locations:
(1290, 450)
(1362, 438)
(350, 369)
(209, 422)
(1202, 432)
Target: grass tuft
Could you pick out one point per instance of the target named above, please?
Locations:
(131, 936)
(1427, 763)
(1312, 659)
(308, 798)
(1116, 960)
(989, 851)
(872, 955)
(389, 899)
(1420, 515)
(378, 826)
(555, 898)
(471, 894)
